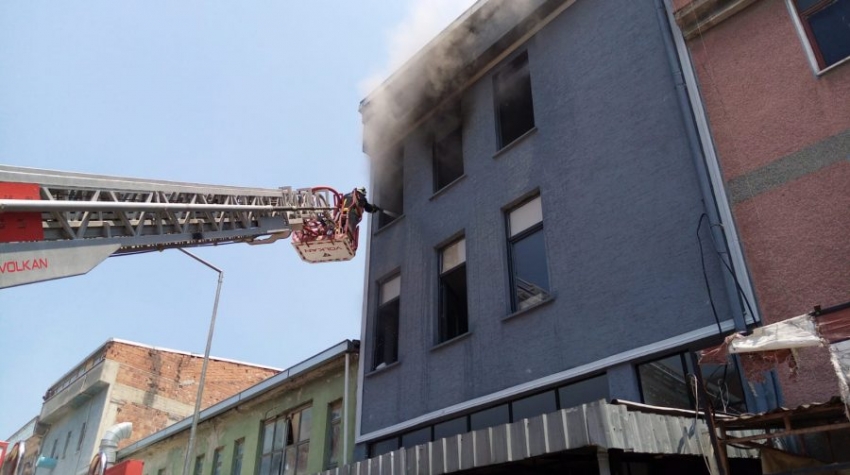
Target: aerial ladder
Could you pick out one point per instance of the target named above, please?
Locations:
(57, 224)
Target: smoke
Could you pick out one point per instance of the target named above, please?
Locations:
(424, 20)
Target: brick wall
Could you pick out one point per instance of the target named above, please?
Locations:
(167, 384)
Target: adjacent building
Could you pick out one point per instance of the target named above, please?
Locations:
(774, 76)
(553, 238)
(299, 421)
(123, 381)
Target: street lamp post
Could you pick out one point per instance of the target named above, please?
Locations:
(196, 415)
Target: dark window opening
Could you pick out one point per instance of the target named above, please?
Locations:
(448, 157)
(490, 417)
(527, 252)
(454, 315)
(450, 428)
(827, 26)
(542, 403)
(286, 444)
(390, 188)
(583, 392)
(383, 447)
(199, 464)
(514, 107)
(82, 437)
(416, 437)
(386, 324)
(668, 382)
(67, 442)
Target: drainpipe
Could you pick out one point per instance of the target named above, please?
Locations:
(109, 442)
(708, 173)
(345, 413)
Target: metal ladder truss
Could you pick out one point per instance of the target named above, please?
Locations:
(147, 215)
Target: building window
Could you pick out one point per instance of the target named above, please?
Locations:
(217, 456)
(527, 255)
(238, 453)
(514, 108)
(160, 471)
(530, 406)
(67, 443)
(583, 392)
(286, 444)
(55, 446)
(386, 323)
(334, 431)
(82, 437)
(668, 382)
(448, 151)
(491, 417)
(389, 178)
(383, 447)
(451, 428)
(199, 464)
(454, 316)
(827, 27)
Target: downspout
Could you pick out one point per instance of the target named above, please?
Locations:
(345, 412)
(708, 173)
(109, 442)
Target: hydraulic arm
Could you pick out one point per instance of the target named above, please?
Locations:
(57, 224)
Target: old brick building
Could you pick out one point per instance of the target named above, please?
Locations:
(123, 381)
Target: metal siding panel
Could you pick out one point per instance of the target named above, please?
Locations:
(435, 457)
(385, 463)
(644, 432)
(481, 447)
(409, 461)
(423, 467)
(556, 436)
(576, 428)
(518, 440)
(536, 436)
(595, 420)
(451, 453)
(500, 443)
(467, 452)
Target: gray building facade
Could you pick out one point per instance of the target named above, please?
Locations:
(553, 238)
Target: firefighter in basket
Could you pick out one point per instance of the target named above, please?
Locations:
(353, 206)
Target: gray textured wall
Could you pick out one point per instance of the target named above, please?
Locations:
(621, 204)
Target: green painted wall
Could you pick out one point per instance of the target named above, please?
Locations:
(318, 388)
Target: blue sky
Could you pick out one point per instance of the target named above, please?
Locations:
(262, 93)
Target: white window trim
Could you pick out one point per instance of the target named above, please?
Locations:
(807, 45)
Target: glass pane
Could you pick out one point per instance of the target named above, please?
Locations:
(279, 436)
(335, 411)
(276, 463)
(289, 463)
(238, 451)
(199, 465)
(531, 406)
(831, 29)
(217, 462)
(417, 437)
(266, 465)
(390, 289)
(384, 446)
(526, 216)
(303, 456)
(490, 417)
(454, 318)
(386, 338)
(306, 424)
(268, 437)
(450, 428)
(583, 392)
(334, 447)
(453, 255)
(803, 5)
(663, 383)
(531, 276)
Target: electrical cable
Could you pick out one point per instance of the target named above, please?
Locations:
(702, 217)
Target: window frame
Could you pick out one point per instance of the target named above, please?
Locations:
(217, 461)
(284, 450)
(512, 240)
(442, 135)
(500, 79)
(238, 456)
(334, 422)
(198, 468)
(381, 305)
(442, 331)
(807, 37)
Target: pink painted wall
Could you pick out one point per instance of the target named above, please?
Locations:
(763, 99)
(764, 102)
